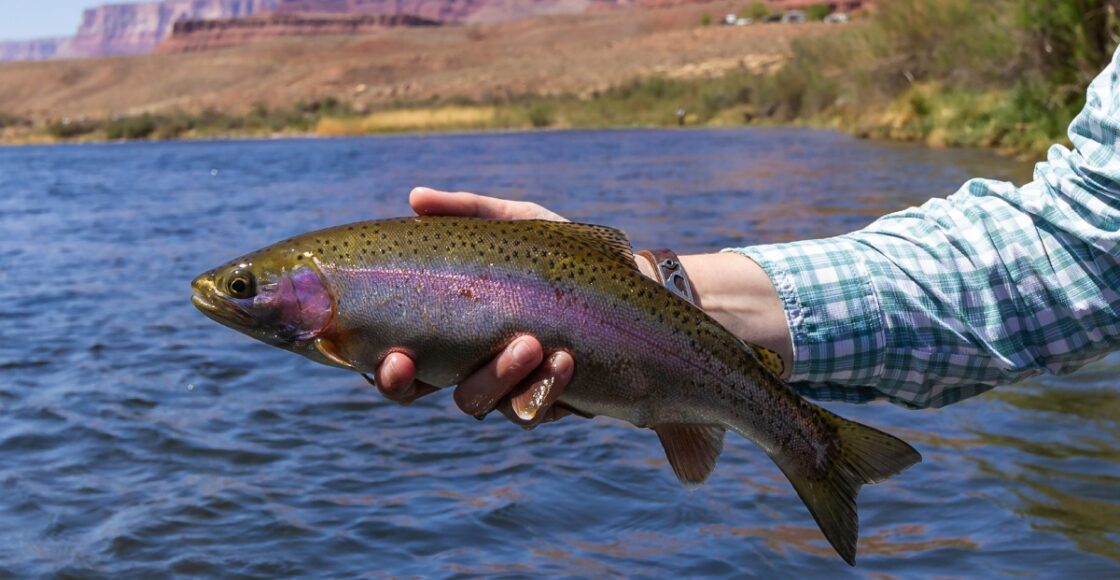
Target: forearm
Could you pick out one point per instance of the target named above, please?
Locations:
(996, 283)
(736, 292)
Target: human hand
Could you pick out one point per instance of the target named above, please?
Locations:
(519, 382)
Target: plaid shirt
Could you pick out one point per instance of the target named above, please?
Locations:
(996, 283)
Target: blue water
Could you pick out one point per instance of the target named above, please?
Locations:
(137, 438)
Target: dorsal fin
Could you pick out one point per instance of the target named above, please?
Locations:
(612, 241)
(769, 359)
(692, 450)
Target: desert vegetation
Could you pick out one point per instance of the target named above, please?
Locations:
(1008, 74)
(1000, 73)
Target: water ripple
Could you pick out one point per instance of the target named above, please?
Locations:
(141, 440)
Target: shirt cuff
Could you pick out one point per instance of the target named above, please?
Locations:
(835, 323)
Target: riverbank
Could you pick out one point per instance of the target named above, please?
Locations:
(1001, 74)
(928, 113)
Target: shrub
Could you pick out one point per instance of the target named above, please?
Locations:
(7, 120)
(540, 115)
(818, 11)
(1070, 41)
(71, 128)
(657, 88)
(706, 19)
(174, 126)
(756, 11)
(140, 127)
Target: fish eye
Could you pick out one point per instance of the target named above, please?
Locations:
(241, 284)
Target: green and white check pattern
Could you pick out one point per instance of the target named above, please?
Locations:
(938, 303)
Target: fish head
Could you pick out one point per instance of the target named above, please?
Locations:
(278, 297)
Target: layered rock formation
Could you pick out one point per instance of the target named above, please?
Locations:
(443, 10)
(131, 29)
(127, 29)
(196, 35)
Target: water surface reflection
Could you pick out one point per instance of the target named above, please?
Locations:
(140, 438)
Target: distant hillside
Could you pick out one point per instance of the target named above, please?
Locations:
(134, 29)
(573, 54)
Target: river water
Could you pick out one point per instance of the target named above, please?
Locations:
(137, 438)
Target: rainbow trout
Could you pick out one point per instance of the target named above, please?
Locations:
(452, 292)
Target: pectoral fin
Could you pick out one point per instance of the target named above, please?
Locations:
(692, 450)
(332, 352)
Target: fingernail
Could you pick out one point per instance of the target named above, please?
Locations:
(561, 372)
(521, 352)
(528, 404)
(391, 372)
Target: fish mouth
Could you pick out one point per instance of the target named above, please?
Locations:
(203, 304)
(218, 309)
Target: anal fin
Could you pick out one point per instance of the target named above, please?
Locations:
(692, 450)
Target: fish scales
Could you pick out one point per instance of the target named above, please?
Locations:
(452, 292)
(524, 278)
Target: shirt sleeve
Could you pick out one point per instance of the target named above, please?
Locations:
(941, 302)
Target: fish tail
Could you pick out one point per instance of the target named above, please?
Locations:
(866, 455)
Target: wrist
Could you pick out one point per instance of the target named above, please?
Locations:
(738, 293)
(645, 266)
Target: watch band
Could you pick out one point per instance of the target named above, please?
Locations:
(671, 274)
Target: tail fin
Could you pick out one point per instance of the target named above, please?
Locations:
(866, 455)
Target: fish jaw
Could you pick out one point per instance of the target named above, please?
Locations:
(219, 307)
(293, 307)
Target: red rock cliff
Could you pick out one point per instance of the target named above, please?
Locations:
(126, 29)
(443, 10)
(131, 29)
(196, 35)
